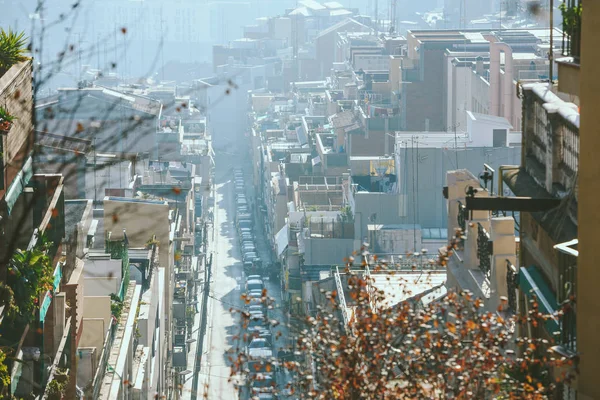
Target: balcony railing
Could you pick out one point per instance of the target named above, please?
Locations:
(569, 156)
(567, 293)
(512, 278)
(462, 216)
(99, 375)
(484, 250)
(571, 41)
(342, 299)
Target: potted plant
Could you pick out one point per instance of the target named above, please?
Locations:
(6, 121)
(12, 49)
(572, 25)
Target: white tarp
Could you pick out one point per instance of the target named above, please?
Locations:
(281, 240)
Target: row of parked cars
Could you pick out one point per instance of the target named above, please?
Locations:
(260, 362)
(244, 222)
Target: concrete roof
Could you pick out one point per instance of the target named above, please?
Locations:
(404, 285)
(333, 5)
(491, 119)
(340, 26)
(312, 5)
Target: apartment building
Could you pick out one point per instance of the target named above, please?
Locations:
(32, 229)
(113, 121)
(543, 263)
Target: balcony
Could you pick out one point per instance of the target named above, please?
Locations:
(482, 259)
(568, 66)
(550, 139)
(567, 294)
(484, 250)
(512, 283)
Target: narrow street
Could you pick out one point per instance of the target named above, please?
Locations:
(223, 330)
(223, 325)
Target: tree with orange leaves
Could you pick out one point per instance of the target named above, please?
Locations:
(449, 348)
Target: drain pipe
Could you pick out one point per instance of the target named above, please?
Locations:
(501, 169)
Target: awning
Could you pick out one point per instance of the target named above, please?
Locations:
(18, 184)
(281, 240)
(531, 283)
(50, 293)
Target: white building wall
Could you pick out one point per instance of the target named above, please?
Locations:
(371, 62)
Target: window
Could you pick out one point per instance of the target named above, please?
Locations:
(499, 137)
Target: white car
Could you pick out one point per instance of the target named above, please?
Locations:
(262, 383)
(259, 348)
(255, 285)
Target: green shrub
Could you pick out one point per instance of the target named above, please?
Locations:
(12, 49)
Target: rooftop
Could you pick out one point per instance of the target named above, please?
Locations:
(74, 210)
(63, 143)
(400, 286)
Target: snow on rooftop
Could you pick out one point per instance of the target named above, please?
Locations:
(553, 103)
(301, 11)
(333, 5)
(340, 12)
(312, 5)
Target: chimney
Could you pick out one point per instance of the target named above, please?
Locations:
(479, 66)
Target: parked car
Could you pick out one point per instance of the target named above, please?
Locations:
(246, 236)
(257, 323)
(254, 367)
(245, 224)
(248, 247)
(244, 230)
(255, 284)
(247, 266)
(259, 348)
(266, 396)
(262, 383)
(255, 308)
(245, 215)
(247, 242)
(250, 256)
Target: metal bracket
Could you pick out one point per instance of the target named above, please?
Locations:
(525, 204)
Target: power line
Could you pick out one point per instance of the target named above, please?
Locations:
(412, 156)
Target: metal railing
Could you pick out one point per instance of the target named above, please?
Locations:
(484, 250)
(341, 297)
(511, 285)
(569, 157)
(571, 40)
(99, 375)
(567, 299)
(462, 216)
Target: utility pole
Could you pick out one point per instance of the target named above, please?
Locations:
(78, 57)
(98, 52)
(551, 51)
(377, 15)
(162, 46)
(393, 4)
(295, 65)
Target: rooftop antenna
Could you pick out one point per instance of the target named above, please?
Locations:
(162, 45)
(377, 15)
